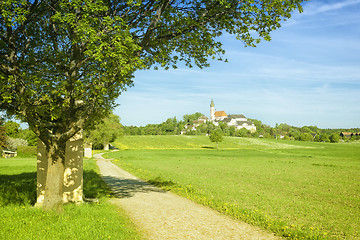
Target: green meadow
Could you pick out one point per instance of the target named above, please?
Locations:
(299, 190)
(20, 220)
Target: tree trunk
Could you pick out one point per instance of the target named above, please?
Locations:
(53, 199)
(106, 146)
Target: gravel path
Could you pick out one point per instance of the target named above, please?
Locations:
(163, 215)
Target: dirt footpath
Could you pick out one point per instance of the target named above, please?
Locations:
(163, 215)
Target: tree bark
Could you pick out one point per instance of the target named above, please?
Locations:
(53, 199)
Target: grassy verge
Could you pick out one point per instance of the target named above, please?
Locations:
(19, 220)
(88, 221)
(17, 181)
(295, 189)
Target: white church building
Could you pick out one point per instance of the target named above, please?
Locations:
(237, 120)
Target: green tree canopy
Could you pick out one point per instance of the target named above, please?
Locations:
(334, 137)
(12, 129)
(324, 138)
(29, 136)
(105, 132)
(216, 136)
(242, 132)
(170, 126)
(305, 137)
(64, 63)
(190, 118)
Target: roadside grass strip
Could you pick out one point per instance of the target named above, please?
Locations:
(88, 221)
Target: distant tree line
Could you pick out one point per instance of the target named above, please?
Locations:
(173, 126)
(306, 133)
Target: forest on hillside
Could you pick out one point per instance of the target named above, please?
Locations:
(173, 126)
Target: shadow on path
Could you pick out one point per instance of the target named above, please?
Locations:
(126, 188)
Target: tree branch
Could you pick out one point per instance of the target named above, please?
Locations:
(153, 23)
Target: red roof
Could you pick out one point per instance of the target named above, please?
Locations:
(220, 114)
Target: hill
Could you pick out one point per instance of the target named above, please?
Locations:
(200, 142)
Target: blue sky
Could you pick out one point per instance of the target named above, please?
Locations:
(309, 74)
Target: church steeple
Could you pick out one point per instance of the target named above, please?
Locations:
(212, 111)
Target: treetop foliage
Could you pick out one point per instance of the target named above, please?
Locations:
(64, 63)
(169, 31)
(190, 118)
(12, 129)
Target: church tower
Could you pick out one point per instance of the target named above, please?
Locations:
(212, 111)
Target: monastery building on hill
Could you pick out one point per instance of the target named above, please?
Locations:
(237, 120)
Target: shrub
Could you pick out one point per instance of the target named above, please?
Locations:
(324, 138)
(29, 136)
(27, 151)
(305, 137)
(243, 132)
(14, 143)
(190, 132)
(98, 146)
(286, 137)
(334, 138)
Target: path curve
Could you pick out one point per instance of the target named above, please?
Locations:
(164, 215)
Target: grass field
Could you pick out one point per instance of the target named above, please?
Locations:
(300, 190)
(19, 220)
(194, 142)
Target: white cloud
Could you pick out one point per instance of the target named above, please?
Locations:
(317, 7)
(320, 14)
